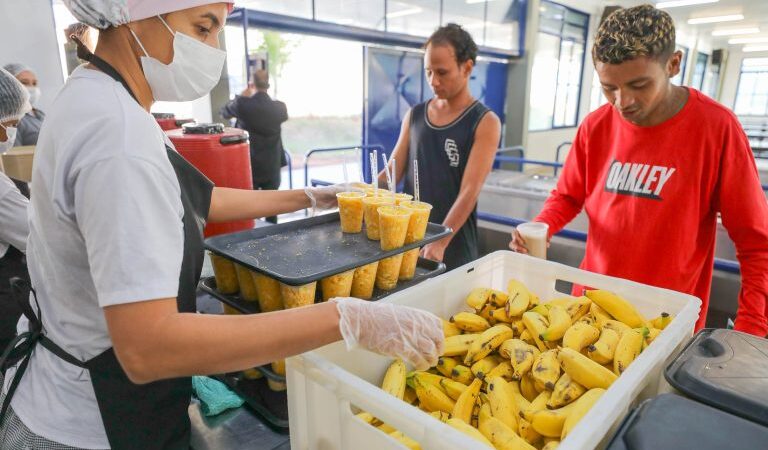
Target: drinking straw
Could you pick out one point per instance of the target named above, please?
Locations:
(376, 173)
(394, 176)
(416, 179)
(346, 175)
(386, 171)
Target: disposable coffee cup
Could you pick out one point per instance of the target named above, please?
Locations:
(535, 236)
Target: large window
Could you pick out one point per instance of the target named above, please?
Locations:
(699, 70)
(557, 67)
(752, 93)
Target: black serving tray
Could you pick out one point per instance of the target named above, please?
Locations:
(270, 405)
(425, 269)
(307, 250)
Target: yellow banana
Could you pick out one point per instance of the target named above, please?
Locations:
(469, 322)
(484, 366)
(483, 414)
(517, 325)
(424, 377)
(526, 337)
(462, 374)
(452, 388)
(662, 321)
(387, 428)
(616, 326)
(469, 431)
(551, 445)
(527, 387)
(603, 349)
(559, 321)
(500, 315)
(536, 324)
(580, 335)
(587, 319)
(617, 307)
(579, 409)
(394, 379)
(549, 422)
(585, 371)
(410, 395)
(526, 431)
(541, 309)
(629, 346)
(478, 297)
(488, 341)
(653, 333)
(503, 406)
(486, 313)
(458, 345)
(534, 301)
(463, 406)
(519, 298)
(599, 314)
(405, 440)
(432, 398)
(445, 365)
(366, 417)
(498, 298)
(504, 369)
(514, 389)
(450, 329)
(440, 415)
(565, 392)
(520, 354)
(503, 437)
(578, 308)
(546, 369)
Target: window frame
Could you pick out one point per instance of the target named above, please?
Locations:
(562, 38)
(752, 95)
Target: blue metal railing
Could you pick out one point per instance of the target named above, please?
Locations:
(365, 149)
(504, 151)
(557, 152)
(722, 265)
(523, 161)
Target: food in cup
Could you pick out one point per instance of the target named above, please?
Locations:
(388, 272)
(339, 285)
(364, 280)
(371, 212)
(247, 287)
(393, 226)
(297, 296)
(268, 290)
(351, 211)
(225, 274)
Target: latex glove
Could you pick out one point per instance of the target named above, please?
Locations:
(412, 334)
(324, 197)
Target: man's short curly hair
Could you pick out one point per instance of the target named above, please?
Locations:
(634, 32)
(458, 38)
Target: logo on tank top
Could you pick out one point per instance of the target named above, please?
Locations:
(452, 151)
(639, 180)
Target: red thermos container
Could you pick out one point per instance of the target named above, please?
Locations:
(223, 155)
(168, 121)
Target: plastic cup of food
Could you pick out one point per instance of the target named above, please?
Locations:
(298, 296)
(268, 290)
(252, 374)
(417, 226)
(535, 235)
(364, 280)
(225, 274)
(339, 285)
(408, 266)
(388, 272)
(371, 211)
(402, 197)
(247, 286)
(351, 211)
(393, 226)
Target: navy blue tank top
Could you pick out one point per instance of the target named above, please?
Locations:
(443, 153)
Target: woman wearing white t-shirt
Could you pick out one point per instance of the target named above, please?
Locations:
(115, 251)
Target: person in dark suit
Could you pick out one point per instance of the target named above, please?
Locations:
(261, 117)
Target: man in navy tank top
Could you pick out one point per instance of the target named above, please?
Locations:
(454, 137)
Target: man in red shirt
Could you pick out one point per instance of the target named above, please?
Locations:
(653, 168)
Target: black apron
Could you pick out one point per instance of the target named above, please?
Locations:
(149, 416)
(443, 153)
(12, 265)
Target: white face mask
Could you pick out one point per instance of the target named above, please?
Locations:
(8, 144)
(193, 72)
(34, 94)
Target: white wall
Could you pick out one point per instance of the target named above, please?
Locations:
(27, 35)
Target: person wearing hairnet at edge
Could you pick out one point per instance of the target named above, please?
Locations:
(116, 247)
(29, 125)
(14, 103)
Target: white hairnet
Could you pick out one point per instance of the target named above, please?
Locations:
(14, 98)
(17, 68)
(103, 14)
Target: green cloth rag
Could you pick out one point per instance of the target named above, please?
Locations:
(215, 397)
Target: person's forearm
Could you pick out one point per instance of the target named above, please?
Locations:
(459, 212)
(201, 344)
(241, 204)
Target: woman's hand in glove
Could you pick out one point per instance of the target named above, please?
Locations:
(324, 197)
(414, 335)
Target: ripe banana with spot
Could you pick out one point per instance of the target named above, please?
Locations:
(617, 307)
(603, 349)
(599, 315)
(519, 298)
(440, 415)
(498, 298)
(500, 315)
(487, 342)
(616, 326)
(580, 335)
(503, 406)
(565, 392)
(469, 431)
(546, 369)
(469, 322)
(559, 322)
(520, 354)
(628, 348)
(462, 409)
(503, 437)
(453, 388)
(549, 422)
(662, 321)
(433, 398)
(504, 369)
(458, 345)
(405, 440)
(579, 409)
(536, 324)
(445, 365)
(585, 371)
(481, 368)
(366, 417)
(528, 388)
(394, 379)
(462, 374)
(478, 297)
(521, 402)
(450, 329)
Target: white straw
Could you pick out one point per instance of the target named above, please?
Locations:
(394, 175)
(376, 172)
(346, 175)
(386, 171)
(416, 179)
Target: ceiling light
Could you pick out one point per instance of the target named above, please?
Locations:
(715, 19)
(754, 40)
(735, 31)
(755, 48)
(404, 12)
(678, 3)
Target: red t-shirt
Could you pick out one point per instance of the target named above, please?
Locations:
(652, 195)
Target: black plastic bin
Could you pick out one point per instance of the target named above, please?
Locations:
(726, 369)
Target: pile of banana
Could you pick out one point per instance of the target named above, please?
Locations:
(520, 374)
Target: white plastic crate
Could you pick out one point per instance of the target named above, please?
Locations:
(325, 385)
